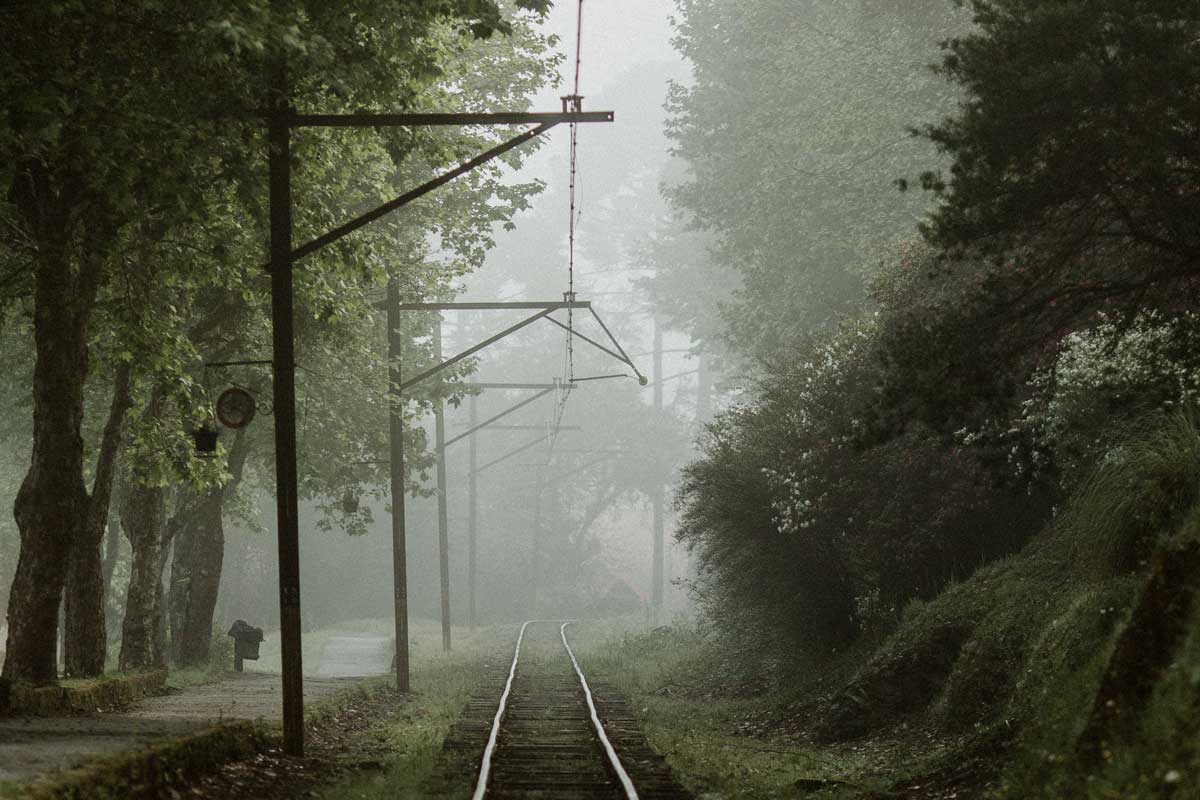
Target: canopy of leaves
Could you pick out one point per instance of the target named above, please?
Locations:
(1075, 155)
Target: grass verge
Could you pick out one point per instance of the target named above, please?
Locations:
(410, 741)
(706, 735)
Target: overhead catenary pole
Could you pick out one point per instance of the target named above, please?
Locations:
(472, 513)
(656, 590)
(443, 523)
(535, 557)
(396, 468)
(284, 363)
(280, 118)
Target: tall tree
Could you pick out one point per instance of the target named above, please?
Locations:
(85, 636)
(1075, 158)
(175, 88)
(792, 128)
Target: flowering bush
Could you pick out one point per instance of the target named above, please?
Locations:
(1103, 376)
(812, 517)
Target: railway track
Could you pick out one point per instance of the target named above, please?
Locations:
(544, 731)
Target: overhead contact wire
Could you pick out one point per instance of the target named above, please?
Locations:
(573, 217)
(573, 188)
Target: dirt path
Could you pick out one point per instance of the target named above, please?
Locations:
(32, 746)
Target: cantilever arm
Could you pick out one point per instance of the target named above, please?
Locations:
(422, 190)
(624, 356)
(589, 340)
(472, 350)
(501, 415)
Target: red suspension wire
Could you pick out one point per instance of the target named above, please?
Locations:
(576, 105)
(573, 103)
(578, 41)
(577, 101)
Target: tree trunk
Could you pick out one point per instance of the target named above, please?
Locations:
(142, 519)
(112, 553)
(160, 598)
(84, 636)
(197, 562)
(195, 576)
(51, 505)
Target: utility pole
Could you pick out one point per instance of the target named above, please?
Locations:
(443, 533)
(396, 468)
(535, 558)
(472, 513)
(281, 118)
(284, 363)
(656, 592)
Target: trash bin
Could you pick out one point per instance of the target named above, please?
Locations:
(246, 639)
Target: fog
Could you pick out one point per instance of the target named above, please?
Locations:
(566, 524)
(572, 491)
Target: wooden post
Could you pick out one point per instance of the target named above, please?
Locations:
(396, 469)
(535, 557)
(473, 514)
(657, 500)
(284, 363)
(443, 533)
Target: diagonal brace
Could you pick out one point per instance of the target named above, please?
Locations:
(590, 341)
(436, 368)
(371, 120)
(424, 189)
(512, 453)
(499, 416)
(624, 356)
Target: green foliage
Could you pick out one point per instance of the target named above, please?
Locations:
(179, 287)
(412, 738)
(1142, 486)
(1103, 377)
(1072, 168)
(808, 521)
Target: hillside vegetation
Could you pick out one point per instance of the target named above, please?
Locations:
(1068, 669)
(957, 513)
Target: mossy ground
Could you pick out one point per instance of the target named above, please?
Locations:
(408, 743)
(86, 695)
(984, 691)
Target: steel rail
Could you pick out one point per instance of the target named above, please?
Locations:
(622, 775)
(485, 764)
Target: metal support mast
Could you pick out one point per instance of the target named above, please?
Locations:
(472, 512)
(396, 468)
(280, 119)
(443, 524)
(284, 362)
(656, 592)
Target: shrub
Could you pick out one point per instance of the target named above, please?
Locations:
(1143, 485)
(809, 523)
(1113, 372)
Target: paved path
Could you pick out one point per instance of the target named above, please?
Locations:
(33, 746)
(345, 656)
